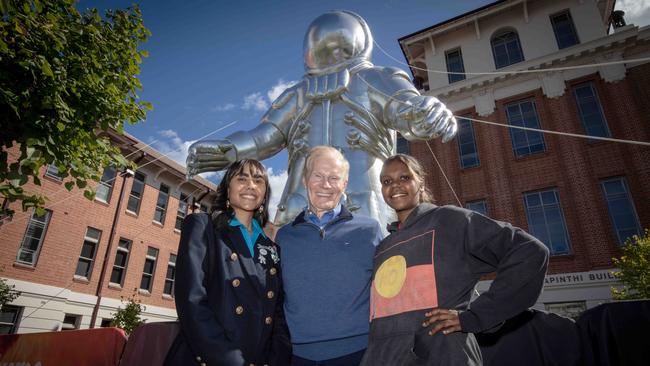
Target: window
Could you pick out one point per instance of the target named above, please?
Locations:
(149, 268)
(121, 261)
(88, 250)
(106, 323)
(105, 187)
(524, 142)
(568, 309)
(455, 66)
(402, 145)
(33, 239)
(9, 319)
(565, 32)
(506, 49)
(182, 211)
(53, 172)
(621, 208)
(170, 276)
(71, 322)
(591, 112)
(478, 206)
(546, 220)
(467, 144)
(137, 189)
(161, 204)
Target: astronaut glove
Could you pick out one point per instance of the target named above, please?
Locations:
(209, 156)
(427, 118)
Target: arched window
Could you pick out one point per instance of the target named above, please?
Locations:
(506, 48)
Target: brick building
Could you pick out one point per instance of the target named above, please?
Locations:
(56, 261)
(581, 197)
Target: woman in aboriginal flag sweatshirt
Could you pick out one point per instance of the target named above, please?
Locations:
(426, 269)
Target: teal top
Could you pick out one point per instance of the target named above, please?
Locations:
(250, 238)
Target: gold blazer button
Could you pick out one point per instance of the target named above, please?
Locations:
(270, 294)
(239, 310)
(234, 257)
(235, 282)
(268, 320)
(273, 271)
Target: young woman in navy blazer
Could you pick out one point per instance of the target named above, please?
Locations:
(228, 282)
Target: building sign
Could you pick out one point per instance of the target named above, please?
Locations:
(580, 278)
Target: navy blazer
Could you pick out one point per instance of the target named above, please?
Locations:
(229, 305)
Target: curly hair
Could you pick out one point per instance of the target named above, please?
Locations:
(221, 212)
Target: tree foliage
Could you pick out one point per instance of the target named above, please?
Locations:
(128, 317)
(65, 76)
(634, 266)
(7, 292)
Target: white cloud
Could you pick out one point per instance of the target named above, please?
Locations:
(175, 148)
(277, 183)
(172, 146)
(255, 101)
(278, 88)
(637, 12)
(223, 107)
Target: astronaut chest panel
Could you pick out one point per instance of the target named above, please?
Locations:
(404, 279)
(327, 124)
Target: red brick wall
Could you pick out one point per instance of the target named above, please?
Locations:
(71, 215)
(571, 165)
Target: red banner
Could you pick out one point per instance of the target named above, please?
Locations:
(96, 347)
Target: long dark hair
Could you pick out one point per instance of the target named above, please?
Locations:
(418, 174)
(222, 213)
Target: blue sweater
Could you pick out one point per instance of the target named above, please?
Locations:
(326, 276)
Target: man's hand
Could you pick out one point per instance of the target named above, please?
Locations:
(444, 320)
(428, 118)
(209, 156)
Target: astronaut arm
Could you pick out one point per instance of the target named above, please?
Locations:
(263, 141)
(414, 116)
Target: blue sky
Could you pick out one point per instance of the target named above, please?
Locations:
(215, 62)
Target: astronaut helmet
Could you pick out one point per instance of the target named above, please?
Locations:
(335, 39)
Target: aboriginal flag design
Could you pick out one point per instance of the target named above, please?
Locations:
(404, 278)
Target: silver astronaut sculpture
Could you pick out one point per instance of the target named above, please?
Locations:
(344, 101)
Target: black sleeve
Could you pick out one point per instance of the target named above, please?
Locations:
(280, 340)
(200, 328)
(520, 261)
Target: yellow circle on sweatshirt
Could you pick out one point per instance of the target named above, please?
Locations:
(390, 276)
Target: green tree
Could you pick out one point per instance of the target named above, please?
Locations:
(65, 76)
(635, 269)
(128, 317)
(7, 292)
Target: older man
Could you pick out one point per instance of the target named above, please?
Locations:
(327, 266)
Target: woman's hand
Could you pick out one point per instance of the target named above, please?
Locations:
(444, 320)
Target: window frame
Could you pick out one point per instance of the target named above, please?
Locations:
(108, 183)
(481, 201)
(456, 76)
(162, 193)
(531, 227)
(77, 322)
(18, 314)
(136, 199)
(90, 261)
(554, 24)
(527, 134)
(630, 201)
(477, 163)
(126, 261)
(151, 275)
(500, 37)
(35, 253)
(171, 266)
(601, 112)
(181, 214)
(52, 174)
